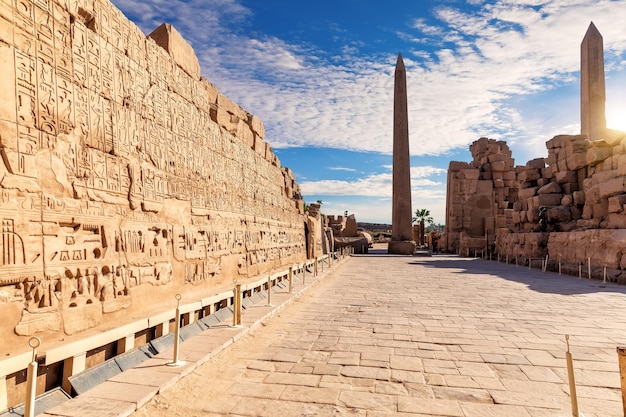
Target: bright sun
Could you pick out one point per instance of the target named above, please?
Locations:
(616, 117)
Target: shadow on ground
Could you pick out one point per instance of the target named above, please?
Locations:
(534, 279)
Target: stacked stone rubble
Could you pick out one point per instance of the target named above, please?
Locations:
(479, 196)
(568, 207)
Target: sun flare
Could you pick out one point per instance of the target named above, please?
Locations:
(616, 118)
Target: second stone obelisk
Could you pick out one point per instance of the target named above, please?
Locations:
(401, 217)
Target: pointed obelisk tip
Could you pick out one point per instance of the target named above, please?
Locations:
(399, 62)
(592, 30)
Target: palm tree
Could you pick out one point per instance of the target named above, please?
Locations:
(421, 216)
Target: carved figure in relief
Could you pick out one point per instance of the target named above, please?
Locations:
(39, 294)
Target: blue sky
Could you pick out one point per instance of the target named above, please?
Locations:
(320, 76)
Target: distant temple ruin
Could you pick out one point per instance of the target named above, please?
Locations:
(567, 208)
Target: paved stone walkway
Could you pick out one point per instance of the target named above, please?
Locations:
(405, 336)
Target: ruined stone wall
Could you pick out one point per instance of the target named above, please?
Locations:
(125, 177)
(478, 195)
(568, 206)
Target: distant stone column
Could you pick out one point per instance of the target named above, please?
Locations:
(401, 218)
(592, 88)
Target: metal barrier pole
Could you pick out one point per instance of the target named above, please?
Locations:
(269, 290)
(589, 267)
(236, 304)
(304, 273)
(621, 354)
(175, 361)
(572, 382)
(290, 279)
(31, 379)
(315, 267)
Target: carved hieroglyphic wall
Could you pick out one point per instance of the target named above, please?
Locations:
(125, 177)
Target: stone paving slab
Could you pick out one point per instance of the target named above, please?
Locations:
(137, 394)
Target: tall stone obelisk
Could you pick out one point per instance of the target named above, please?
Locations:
(401, 217)
(592, 87)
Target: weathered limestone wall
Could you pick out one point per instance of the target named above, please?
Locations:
(125, 177)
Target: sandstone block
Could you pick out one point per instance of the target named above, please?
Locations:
(547, 200)
(558, 214)
(616, 203)
(551, 188)
(498, 166)
(562, 177)
(256, 125)
(598, 154)
(501, 221)
(526, 193)
(457, 166)
(601, 209)
(542, 181)
(469, 174)
(611, 187)
(567, 200)
(244, 133)
(576, 161)
(210, 90)
(548, 172)
(569, 188)
(167, 37)
(259, 145)
(621, 165)
(232, 108)
(576, 145)
(537, 163)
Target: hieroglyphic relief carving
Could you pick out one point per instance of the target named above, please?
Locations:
(115, 171)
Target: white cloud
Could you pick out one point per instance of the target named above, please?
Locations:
(342, 169)
(378, 185)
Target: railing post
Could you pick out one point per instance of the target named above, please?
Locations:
(304, 273)
(175, 361)
(621, 354)
(269, 290)
(236, 304)
(315, 267)
(290, 279)
(31, 379)
(572, 382)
